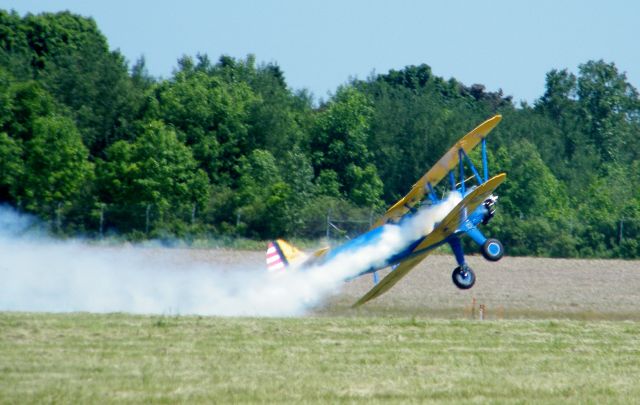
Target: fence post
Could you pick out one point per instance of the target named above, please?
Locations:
(146, 228)
(101, 220)
(620, 229)
(58, 217)
(473, 308)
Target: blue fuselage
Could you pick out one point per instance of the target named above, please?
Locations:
(374, 236)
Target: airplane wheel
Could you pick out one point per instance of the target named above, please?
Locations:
(492, 250)
(463, 277)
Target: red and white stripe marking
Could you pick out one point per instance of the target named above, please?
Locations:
(274, 261)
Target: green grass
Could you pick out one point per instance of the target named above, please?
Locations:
(83, 358)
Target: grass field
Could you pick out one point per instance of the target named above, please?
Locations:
(85, 358)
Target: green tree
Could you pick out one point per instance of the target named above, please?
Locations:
(535, 213)
(607, 102)
(531, 189)
(29, 101)
(265, 204)
(56, 167)
(340, 145)
(212, 114)
(5, 96)
(70, 58)
(11, 168)
(560, 96)
(155, 172)
(279, 121)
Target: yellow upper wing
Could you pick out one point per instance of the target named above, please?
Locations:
(439, 170)
(445, 228)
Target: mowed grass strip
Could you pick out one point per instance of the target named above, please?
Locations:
(85, 358)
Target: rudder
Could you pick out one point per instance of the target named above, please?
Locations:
(281, 254)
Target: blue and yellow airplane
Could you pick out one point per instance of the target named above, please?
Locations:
(477, 207)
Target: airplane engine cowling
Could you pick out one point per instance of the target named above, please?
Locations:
(490, 207)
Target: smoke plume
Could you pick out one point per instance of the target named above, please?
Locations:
(40, 274)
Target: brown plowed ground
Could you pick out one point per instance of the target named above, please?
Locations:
(514, 287)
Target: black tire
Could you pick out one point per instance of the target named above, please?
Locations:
(463, 277)
(492, 250)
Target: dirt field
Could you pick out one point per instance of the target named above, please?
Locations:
(518, 287)
(515, 287)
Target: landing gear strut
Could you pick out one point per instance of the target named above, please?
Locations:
(463, 277)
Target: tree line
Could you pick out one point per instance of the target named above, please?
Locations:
(226, 148)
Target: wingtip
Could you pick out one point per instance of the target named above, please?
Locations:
(358, 303)
(501, 176)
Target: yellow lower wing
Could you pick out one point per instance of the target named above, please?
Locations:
(392, 278)
(455, 217)
(446, 227)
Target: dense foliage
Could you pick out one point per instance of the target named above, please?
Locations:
(92, 145)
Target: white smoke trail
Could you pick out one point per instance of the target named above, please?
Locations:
(38, 274)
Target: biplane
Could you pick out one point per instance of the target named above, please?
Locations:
(477, 206)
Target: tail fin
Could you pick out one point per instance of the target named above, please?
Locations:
(281, 255)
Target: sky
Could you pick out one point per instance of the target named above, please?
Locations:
(319, 45)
